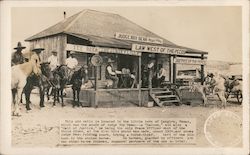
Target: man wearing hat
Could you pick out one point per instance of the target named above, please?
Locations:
(71, 62)
(37, 50)
(53, 60)
(111, 74)
(17, 57)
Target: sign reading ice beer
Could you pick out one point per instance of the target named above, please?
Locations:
(189, 61)
(81, 48)
(131, 37)
(158, 49)
(96, 50)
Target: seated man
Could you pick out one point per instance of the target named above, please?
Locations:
(161, 75)
(111, 73)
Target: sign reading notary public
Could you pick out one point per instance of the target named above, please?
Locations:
(131, 37)
(158, 49)
(189, 61)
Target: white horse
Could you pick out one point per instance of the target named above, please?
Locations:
(19, 74)
(220, 89)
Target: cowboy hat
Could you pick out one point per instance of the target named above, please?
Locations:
(110, 60)
(19, 46)
(37, 48)
(85, 66)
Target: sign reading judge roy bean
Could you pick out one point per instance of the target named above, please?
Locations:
(131, 37)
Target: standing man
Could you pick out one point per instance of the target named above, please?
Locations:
(161, 75)
(53, 60)
(17, 57)
(111, 74)
(71, 62)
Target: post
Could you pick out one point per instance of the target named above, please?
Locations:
(174, 70)
(139, 82)
(170, 69)
(150, 79)
(96, 88)
(202, 70)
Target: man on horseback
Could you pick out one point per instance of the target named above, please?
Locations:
(53, 60)
(35, 80)
(71, 63)
(17, 57)
(210, 82)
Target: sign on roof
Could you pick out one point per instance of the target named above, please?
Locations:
(158, 49)
(190, 61)
(131, 37)
(96, 50)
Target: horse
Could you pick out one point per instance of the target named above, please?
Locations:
(63, 76)
(202, 89)
(19, 74)
(212, 84)
(234, 87)
(42, 82)
(76, 82)
(220, 89)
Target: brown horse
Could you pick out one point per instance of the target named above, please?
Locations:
(42, 82)
(63, 76)
(76, 81)
(19, 74)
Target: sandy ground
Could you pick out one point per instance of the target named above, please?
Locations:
(40, 127)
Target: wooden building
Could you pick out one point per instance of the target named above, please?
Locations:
(110, 35)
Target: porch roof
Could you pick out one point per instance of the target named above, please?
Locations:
(126, 44)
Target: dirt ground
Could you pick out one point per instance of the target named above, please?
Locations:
(40, 127)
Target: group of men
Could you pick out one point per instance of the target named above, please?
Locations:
(157, 76)
(18, 58)
(71, 62)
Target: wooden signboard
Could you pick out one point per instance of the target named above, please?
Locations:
(189, 61)
(158, 49)
(132, 37)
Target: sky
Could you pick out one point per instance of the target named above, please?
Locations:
(214, 29)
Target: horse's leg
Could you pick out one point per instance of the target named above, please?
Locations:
(47, 93)
(55, 96)
(21, 100)
(78, 97)
(14, 93)
(17, 110)
(204, 98)
(27, 92)
(41, 91)
(61, 91)
(221, 96)
(74, 95)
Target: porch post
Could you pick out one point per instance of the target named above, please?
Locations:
(96, 88)
(202, 70)
(174, 70)
(139, 82)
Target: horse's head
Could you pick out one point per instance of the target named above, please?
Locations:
(84, 72)
(56, 81)
(45, 68)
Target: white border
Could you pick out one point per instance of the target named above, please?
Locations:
(5, 79)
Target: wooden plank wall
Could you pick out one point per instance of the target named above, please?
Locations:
(57, 42)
